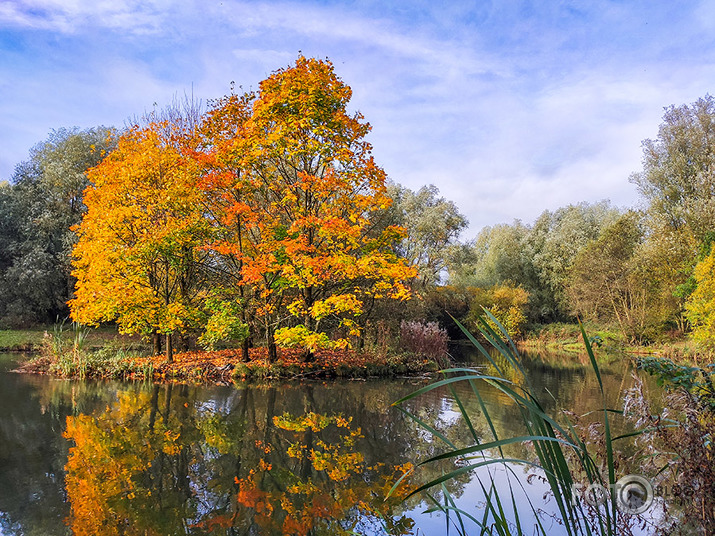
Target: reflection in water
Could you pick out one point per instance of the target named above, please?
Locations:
(168, 464)
(90, 458)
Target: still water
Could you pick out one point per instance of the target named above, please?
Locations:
(80, 457)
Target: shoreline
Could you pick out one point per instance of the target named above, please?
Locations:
(225, 367)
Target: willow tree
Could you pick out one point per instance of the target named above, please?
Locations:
(136, 260)
(297, 183)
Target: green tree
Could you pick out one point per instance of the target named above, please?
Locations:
(555, 241)
(537, 257)
(493, 257)
(433, 225)
(678, 183)
(678, 176)
(37, 210)
(609, 283)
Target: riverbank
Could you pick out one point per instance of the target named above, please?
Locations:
(566, 338)
(32, 340)
(226, 366)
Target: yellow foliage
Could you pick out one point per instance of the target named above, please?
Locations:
(701, 303)
(139, 236)
(506, 302)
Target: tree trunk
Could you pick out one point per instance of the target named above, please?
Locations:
(272, 352)
(272, 349)
(307, 319)
(156, 340)
(244, 350)
(169, 349)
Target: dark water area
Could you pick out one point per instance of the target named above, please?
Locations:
(82, 457)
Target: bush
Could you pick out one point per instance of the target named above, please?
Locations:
(679, 439)
(425, 339)
(506, 302)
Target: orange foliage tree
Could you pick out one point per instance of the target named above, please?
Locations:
(137, 258)
(271, 197)
(294, 184)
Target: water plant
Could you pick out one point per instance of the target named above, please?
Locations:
(562, 458)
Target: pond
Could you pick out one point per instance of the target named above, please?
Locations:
(308, 458)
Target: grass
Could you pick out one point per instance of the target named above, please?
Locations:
(12, 340)
(69, 351)
(29, 340)
(74, 351)
(561, 457)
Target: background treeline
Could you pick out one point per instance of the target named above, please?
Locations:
(647, 270)
(39, 205)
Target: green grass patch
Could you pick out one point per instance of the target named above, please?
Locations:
(14, 340)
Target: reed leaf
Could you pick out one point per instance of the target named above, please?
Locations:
(560, 451)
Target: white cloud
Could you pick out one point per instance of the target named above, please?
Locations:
(70, 16)
(507, 112)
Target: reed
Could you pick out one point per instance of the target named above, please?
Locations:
(562, 457)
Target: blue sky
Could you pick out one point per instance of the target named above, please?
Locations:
(509, 107)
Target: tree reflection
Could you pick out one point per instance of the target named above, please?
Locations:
(156, 463)
(164, 459)
(313, 480)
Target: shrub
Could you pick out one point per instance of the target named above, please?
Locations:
(506, 302)
(679, 440)
(224, 324)
(425, 339)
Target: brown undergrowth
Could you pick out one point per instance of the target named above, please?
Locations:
(226, 366)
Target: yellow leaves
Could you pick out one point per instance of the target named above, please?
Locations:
(336, 304)
(278, 189)
(701, 303)
(313, 421)
(143, 222)
(302, 337)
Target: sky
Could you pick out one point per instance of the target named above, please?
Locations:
(509, 107)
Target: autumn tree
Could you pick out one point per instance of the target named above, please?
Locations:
(701, 303)
(138, 256)
(298, 184)
(507, 302)
(232, 211)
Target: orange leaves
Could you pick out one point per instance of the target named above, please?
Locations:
(321, 484)
(268, 204)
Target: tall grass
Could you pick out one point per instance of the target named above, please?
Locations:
(562, 457)
(68, 353)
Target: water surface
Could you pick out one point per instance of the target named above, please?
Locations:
(81, 457)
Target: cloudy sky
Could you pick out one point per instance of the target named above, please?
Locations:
(509, 107)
